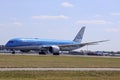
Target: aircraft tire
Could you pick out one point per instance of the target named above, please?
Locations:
(42, 53)
(56, 54)
(13, 52)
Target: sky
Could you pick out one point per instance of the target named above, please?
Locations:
(62, 19)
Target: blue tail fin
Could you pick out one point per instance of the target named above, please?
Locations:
(79, 36)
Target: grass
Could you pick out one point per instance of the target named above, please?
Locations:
(60, 75)
(25, 61)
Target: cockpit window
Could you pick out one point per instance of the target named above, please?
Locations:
(11, 41)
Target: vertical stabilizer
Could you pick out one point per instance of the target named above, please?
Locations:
(79, 36)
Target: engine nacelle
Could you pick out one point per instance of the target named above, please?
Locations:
(55, 50)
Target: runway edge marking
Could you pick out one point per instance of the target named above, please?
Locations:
(59, 69)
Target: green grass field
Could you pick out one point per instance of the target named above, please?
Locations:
(23, 61)
(60, 75)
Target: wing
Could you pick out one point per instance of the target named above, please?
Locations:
(76, 46)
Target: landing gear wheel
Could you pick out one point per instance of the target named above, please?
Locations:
(56, 54)
(42, 53)
(13, 52)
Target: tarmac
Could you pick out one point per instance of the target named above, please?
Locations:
(59, 69)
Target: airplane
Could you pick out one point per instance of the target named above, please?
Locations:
(44, 46)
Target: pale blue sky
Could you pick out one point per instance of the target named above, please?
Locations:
(62, 19)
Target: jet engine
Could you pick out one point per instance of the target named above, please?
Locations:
(55, 50)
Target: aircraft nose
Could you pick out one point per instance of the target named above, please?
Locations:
(9, 44)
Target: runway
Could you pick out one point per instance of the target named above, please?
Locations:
(35, 54)
(59, 69)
